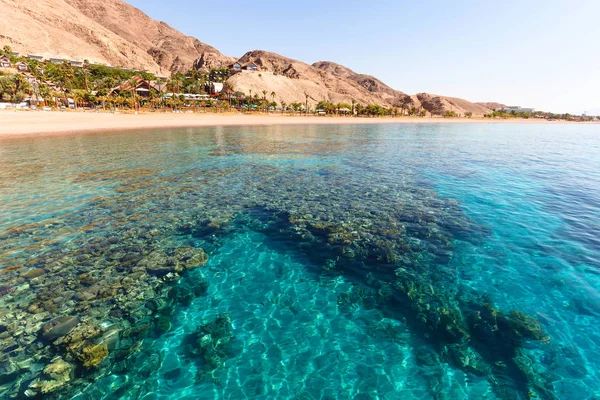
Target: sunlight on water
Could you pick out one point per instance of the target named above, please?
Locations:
(309, 262)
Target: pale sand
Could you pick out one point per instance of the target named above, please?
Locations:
(31, 123)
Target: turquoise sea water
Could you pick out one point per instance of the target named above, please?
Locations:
(345, 262)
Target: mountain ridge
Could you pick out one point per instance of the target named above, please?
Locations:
(116, 33)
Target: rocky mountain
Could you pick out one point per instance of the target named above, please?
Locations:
(367, 82)
(112, 31)
(291, 79)
(443, 103)
(109, 31)
(492, 105)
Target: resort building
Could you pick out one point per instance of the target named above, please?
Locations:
(213, 87)
(235, 67)
(77, 64)
(250, 67)
(187, 96)
(35, 57)
(57, 61)
(22, 67)
(51, 85)
(15, 54)
(142, 87)
(5, 62)
(518, 109)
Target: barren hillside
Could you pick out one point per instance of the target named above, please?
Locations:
(290, 79)
(101, 30)
(329, 81)
(492, 105)
(460, 106)
(169, 48)
(367, 82)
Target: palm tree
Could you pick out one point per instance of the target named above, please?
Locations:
(264, 92)
(273, 94)
(353, 104)
(84, 72)
(306, 110)
(7, 51)
(77, 97)
(44, 93)
(283, 104)
(228, 89)
(133, 83)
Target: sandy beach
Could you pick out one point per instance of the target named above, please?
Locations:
(33, 123)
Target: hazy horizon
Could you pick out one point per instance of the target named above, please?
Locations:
(537, 54)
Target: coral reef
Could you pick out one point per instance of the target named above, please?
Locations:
(211, 342)
(92, 355)
(55, 376)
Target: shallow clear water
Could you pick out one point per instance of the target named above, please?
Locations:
(315, 236)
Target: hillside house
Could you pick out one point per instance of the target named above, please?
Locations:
(5, 62)
(142, 87)
(77, 64)
(250, 67)
(57, 61)
(35, 57)
(235, 67)
(15, 54)
(51, 85)
(22, 67)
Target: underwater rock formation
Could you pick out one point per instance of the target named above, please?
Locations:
(211, 342)
(58, 327)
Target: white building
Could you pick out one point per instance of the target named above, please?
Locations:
(518, 109)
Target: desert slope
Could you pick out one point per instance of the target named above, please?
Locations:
(367, 82)
(55, 28)
(324, 80)
(108, 31)
(169, 48)
(291, 79)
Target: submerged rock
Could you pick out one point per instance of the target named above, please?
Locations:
(212, 342)
(4, 290)
(527, 326)
(58, 327)
(35, 273)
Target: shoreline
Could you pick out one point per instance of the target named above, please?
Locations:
(49, 123)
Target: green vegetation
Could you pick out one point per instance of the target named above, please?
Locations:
(93, 86)
(330, 108)
(513, 114)
(540, 115)
(450, 114)
(14, 88)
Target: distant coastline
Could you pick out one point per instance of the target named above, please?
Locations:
(44, 123)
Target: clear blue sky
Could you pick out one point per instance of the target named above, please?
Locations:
(533, 53)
